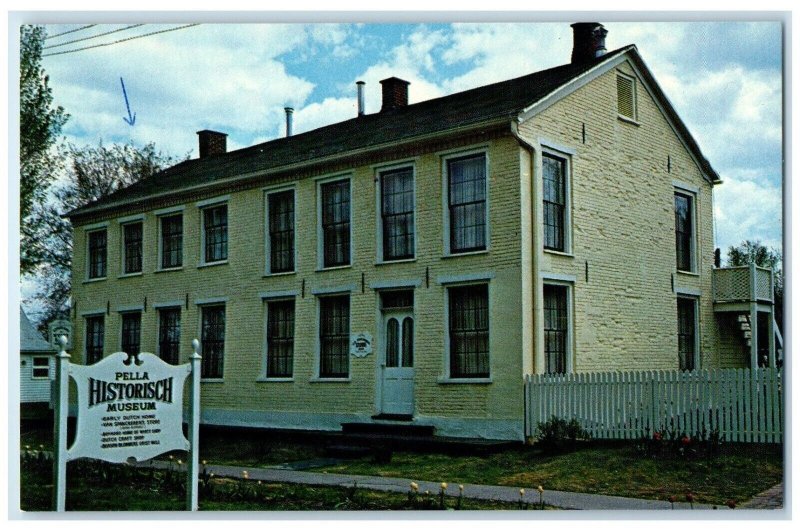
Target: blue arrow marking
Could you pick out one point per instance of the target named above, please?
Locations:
(130, 120)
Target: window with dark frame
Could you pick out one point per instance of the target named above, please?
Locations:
(97, 254)
(169, 334)
(466, 178)
(556, 329)
(281, 231)
(95, 332)
(171, 241)
(132, 235)
(131, 332)
(336, 223)
(684, 232)
(469, 331)
(397, 213)
(554, 182)
(41, 368)
(213, 341)
(215, 226)
(280, 338)
(686, 333)
(334, 336)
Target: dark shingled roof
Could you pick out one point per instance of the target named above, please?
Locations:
(30, 340)
(504, 100)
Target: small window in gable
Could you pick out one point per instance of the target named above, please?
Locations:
(626, 96)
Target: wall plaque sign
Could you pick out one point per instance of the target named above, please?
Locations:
(361, 344)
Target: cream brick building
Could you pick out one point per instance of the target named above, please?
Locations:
(412, 265)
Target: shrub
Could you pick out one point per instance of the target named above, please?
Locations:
(559, 435)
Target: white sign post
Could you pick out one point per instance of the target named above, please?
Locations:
(130, 408)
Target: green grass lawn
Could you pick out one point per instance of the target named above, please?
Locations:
(104, 487)
(739, 473)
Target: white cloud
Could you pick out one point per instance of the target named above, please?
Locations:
(747, 210)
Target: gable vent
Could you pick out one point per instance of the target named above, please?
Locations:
(626, 97)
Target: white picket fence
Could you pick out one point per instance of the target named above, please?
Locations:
(744, 405)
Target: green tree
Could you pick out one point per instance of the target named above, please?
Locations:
(91, 173)
(749, 252)
(40, 127)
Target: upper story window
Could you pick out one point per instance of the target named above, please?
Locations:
(626, 96)
(132, 248)
(466, 199)
(95, 337)
(468, 311)
(684, 231)
(131, 332)
(397, 214)
(335, 222)
(334, 336)
(215, 233)
(555, 202)
(171, 241)
(212, 337)
(169, 334)
(97, 253)
(280, 228)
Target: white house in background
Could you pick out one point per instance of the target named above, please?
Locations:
(37, 366)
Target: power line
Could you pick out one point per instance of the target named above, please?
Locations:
(70, 31)
(92, 36)
(121, 40)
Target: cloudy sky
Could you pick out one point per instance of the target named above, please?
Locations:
(724, 78)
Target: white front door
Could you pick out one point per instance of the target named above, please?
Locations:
(398, 363)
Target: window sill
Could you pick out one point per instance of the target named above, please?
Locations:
(567, 254)
(212, 264)
(168, 269)
(468, 253)
(329, 380)
(629, 120)
(392, 262)
(264, 379)
(688, 273)
(98, 279)
(447, 381)
(212, 380)
(281, 274)
(129, 275)
(334, 268)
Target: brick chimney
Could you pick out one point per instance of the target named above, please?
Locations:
(395, 93)
(212, 143)
(588, 41)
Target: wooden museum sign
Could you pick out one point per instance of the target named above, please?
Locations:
(130, 409)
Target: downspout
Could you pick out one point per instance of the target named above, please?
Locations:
(533, 295)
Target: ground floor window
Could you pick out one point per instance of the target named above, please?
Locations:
(468, 312)
(686, 333)
(280, 339)
(95, 332)
(556, 328)
(169, 334)
(334, 336)
(131, 332)
(41, 367)
(213, 341)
